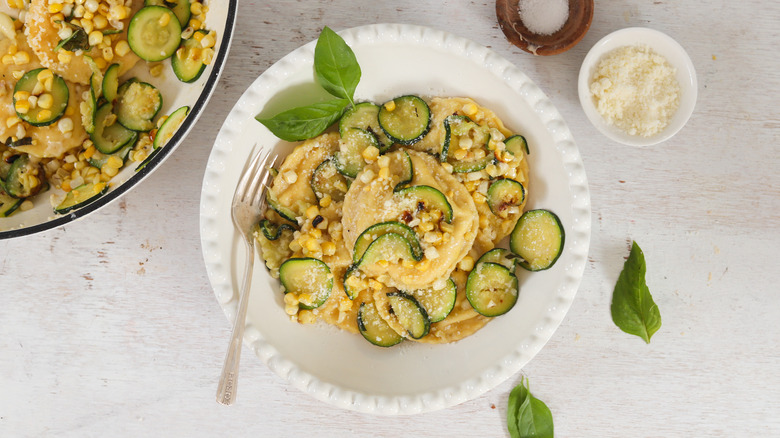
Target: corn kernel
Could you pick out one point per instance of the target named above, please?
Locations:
(313, 246)
(156, 70)
(114, 161)
(64, 57)
(469, 109)
(312, 212)
(109, 170)
(122, 48)
(373, 284)
(207, 42)
(48, 84)
(17, 74)
(325, 201)
(164, 20)
(195, 24)
(290, 176)
(479, 198)
(384, 173)
(390, 106)
(291, 299)
(45, 101)
(466, 263)
(65, 186)
(459, 154)
(370, 153)
(345, 304)
(196, 8)
(315, 233)
(306, 317)
(22, 106)
(7, 59)
(55, 7)
(291, 309)
(21, 95)
(44, 115)
(100, 22)
(329, 248)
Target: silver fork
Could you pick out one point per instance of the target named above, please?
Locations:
(247, 207)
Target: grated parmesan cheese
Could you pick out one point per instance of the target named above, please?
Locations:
(635, 89)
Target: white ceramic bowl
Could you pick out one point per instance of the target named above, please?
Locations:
(220, 18)
(341, 368)
(661, 44)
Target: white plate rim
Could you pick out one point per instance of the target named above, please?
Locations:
(578, 237)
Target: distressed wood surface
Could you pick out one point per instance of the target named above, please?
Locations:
(108, 326)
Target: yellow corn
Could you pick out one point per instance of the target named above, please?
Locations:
(22, 106)
(44, 115)
(12, 121)
(315, 233)
(329, 248)
(64, 57)
(21, 58)
(99, 187)
(195, 24)
(7, 59)
(164, 20)
(45, 74)
(122, 48)
(65, 186)
(114, 161)
(198, 36)
(95, 37)
(196, 8)
(466, 263)
(45, 101)
(55, 7)
(325, 201)
(390, 106)
(156, 70)
(312, 212)
(306, 317)
(370, 153)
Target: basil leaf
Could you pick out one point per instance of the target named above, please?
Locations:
(305, 122)
(633, 308)
(78, 40)
(527, 416)
(335, 65)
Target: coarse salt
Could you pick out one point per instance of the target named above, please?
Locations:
(543, 17)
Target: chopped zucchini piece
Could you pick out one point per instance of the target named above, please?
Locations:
(349, 158)
(351, 277)
(405, 120)
(8, 204)
(170, 126)
(81, 196)
(375, 329)
(389, 247)
(24, 178)
(111, 82)
(187, 63)
(411, 315)
(276, 206)
(503, 195)
(502, 256)
(137, 104)
(109, 136)
(404, 170)
(181, 8)
(36, 115)
(372, 233)
(327, 181)
(98, 159)
(364, 115)
(429, 198)
(438, 303)
(273, 231)
(516, 145)
(491, 289)
(309, 279)
(538, 239)
(149, 38)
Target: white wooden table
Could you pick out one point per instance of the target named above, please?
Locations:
(108, 326)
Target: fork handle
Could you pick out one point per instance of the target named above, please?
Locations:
(228, 381)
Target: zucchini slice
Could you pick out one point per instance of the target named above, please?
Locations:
(170, 126)
(372, 233)
(349, 158)
(351, 277)
(88, 116)
(147, 160)
(364, 115)
(111, 82)
(8, 204)
(411, 315)
(181, 8)
(137, 103)
(504, 194)
(327, 181)
(438, 303)
(375, 329)
(405, 171)
(39, 116)
(516, 145)
(459, 129)
(309, 279)
(491, 289)
(273, 231)
(81, 196)
(538, 239)
(17, 184)
(154, 33)
(188, 63)
(389, 247)
(429, 198)
(276, 206)
(405, 120)
(108, 135)
(98, 159)
(500, 256)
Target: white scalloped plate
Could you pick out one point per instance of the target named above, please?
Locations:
(342, 368)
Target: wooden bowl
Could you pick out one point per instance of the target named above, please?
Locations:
(576, 26)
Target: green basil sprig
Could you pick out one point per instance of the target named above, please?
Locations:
(527, 416)
(633, 308)
(337, 71)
